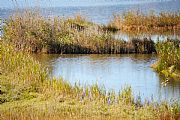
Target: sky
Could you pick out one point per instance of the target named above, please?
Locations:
(59, 3)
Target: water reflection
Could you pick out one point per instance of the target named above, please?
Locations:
(126, 36)
(101, 13)
(114, 72)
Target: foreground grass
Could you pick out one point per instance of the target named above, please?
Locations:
(27, 93)
(169, 57)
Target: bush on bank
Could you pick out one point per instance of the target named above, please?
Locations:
(168, 58)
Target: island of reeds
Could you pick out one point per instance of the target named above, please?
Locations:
(145, 22)
(31, 32)
(26, 91)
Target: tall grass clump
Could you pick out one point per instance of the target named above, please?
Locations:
(31, 32)
(19, 74)
(169, 57)
(136, 20)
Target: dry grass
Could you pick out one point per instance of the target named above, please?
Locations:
(136, 20)
(33, 33)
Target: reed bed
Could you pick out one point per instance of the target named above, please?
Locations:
(169, 56)
(136, 20)
(26, 92)
(33, 33)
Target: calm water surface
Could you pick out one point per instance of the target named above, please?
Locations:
(153, 36)
(113, 72)
(99, 11)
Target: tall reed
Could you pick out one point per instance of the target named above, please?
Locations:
(136, 20)
(33, 33)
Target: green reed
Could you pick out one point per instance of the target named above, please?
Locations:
(169, 57)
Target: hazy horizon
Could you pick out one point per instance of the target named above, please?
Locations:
(64, 3)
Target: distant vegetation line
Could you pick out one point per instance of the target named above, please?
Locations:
(138, 21)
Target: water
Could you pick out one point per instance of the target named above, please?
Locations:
(113, 72)
(99, 11)
(153, 36)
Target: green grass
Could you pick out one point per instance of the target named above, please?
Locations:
(26, 92)
(20, 74)
(169, 57)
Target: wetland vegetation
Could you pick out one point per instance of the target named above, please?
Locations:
(27, 92)
(32, 33)
(149, 22)
(169, 57)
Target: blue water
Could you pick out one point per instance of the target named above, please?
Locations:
(99, 11)
(114, 72)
